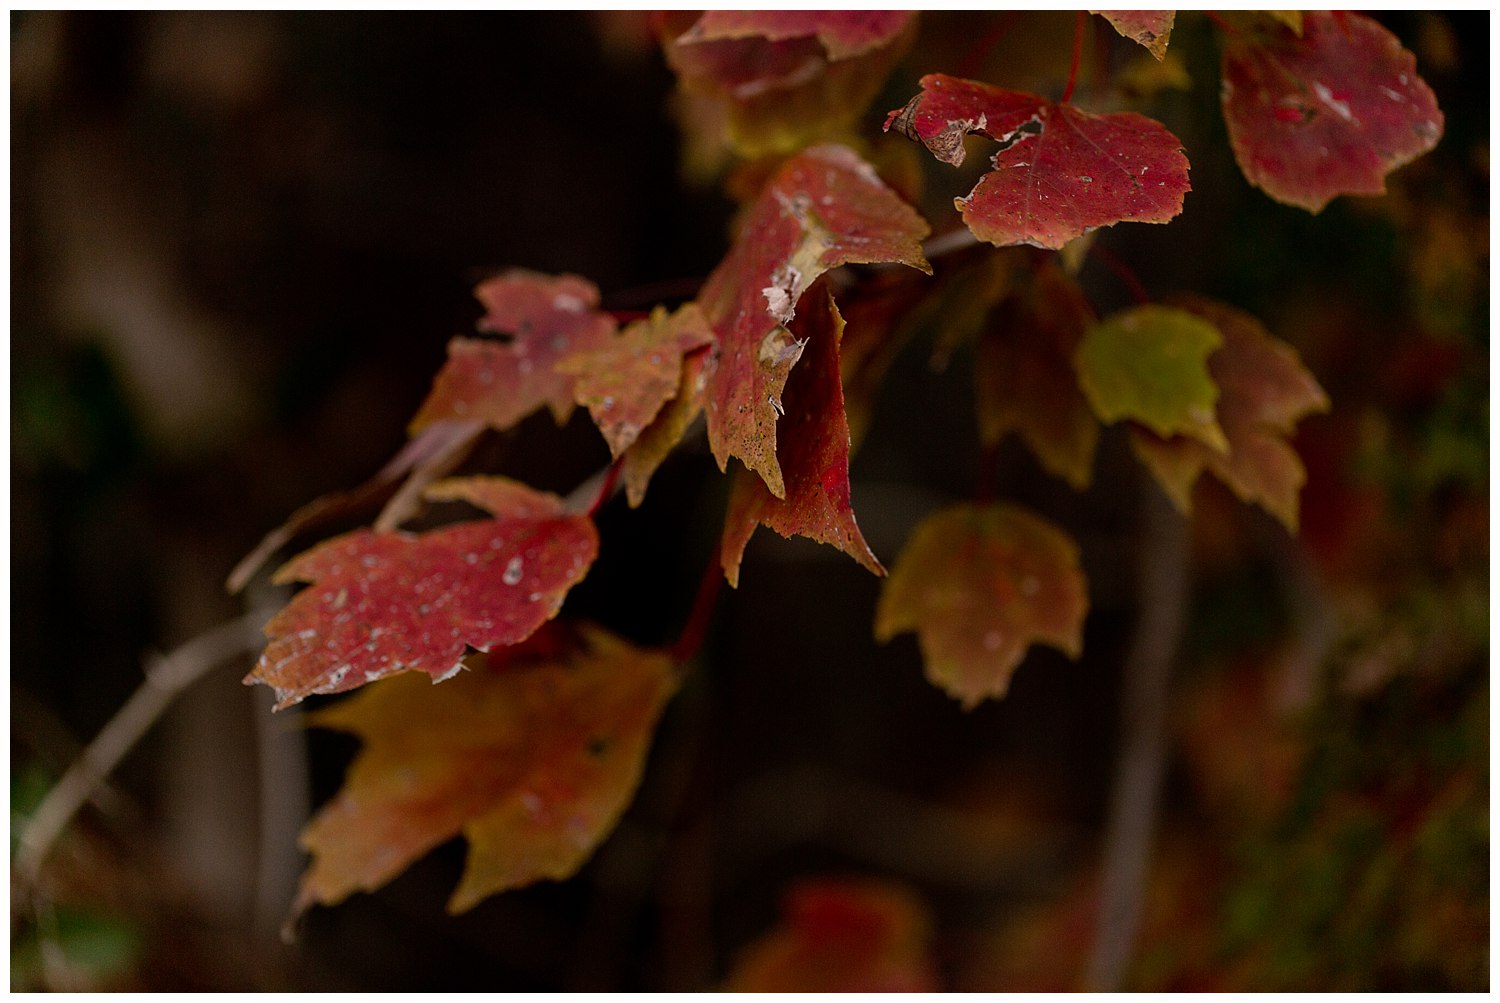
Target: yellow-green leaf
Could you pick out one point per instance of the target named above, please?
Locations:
(1150, 364)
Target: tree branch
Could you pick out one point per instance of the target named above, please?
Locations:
(1143, 741)
(166, 677)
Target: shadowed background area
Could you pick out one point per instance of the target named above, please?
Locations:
(240, 243)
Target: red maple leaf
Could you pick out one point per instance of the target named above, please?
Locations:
(1060, 172)
(501, 382)
(382, 603)
(1329, 113)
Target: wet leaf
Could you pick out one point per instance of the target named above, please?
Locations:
(1025, 380)
(768, 83)
(824, 208)
(1151, 28)
(813, 455)
(501, 382)
(1150, 364)
(383, 603)
(532, 756)
(625, 381)
(842, 936)
(1060, 172)
(979, 584)
(1326, 114)
(1264, 391)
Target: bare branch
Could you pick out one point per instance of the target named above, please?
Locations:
(166, 677)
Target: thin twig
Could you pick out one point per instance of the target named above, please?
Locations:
(166, 677)
(1143, 742)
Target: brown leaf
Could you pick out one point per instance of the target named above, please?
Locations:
(532, 755)
(625, 381)
(1025, 379)
(1264, 391)
(979, 584)
(1151, 28)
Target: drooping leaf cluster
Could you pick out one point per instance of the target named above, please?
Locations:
(534, 743)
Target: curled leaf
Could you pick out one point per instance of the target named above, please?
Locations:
(1059, 173)
(383, 603)
(825, 207)
(979, 584)
(813, 455)
(531, 756)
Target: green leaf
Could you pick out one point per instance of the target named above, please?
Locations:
(1150, 364)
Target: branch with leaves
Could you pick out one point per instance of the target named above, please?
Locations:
(536, 738)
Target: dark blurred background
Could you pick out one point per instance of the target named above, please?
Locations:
(239, 244)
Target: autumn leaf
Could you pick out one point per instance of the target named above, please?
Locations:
(813, 455)
(824, 208)
(768, 83)
(1025, 381)
(1060, 172)
(658, 439)
(1264, 391)
(501, 382)
(979, 584)
(382, 603)
(531, 755)
(1329, 113)
(1150, 364)
(1151, 28)
(842, 936)
(625, 381)
(842, 33)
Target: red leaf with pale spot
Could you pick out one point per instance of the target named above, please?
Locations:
(382, 603)
(625, 381)
(501, 382)
(979, 584)
(1326, 114)
(814, 456)
(1151, 28)
(1264, 391)
(825, 207)
(1060, 172)
(532, 756)
(842, 936)
(843, 33)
